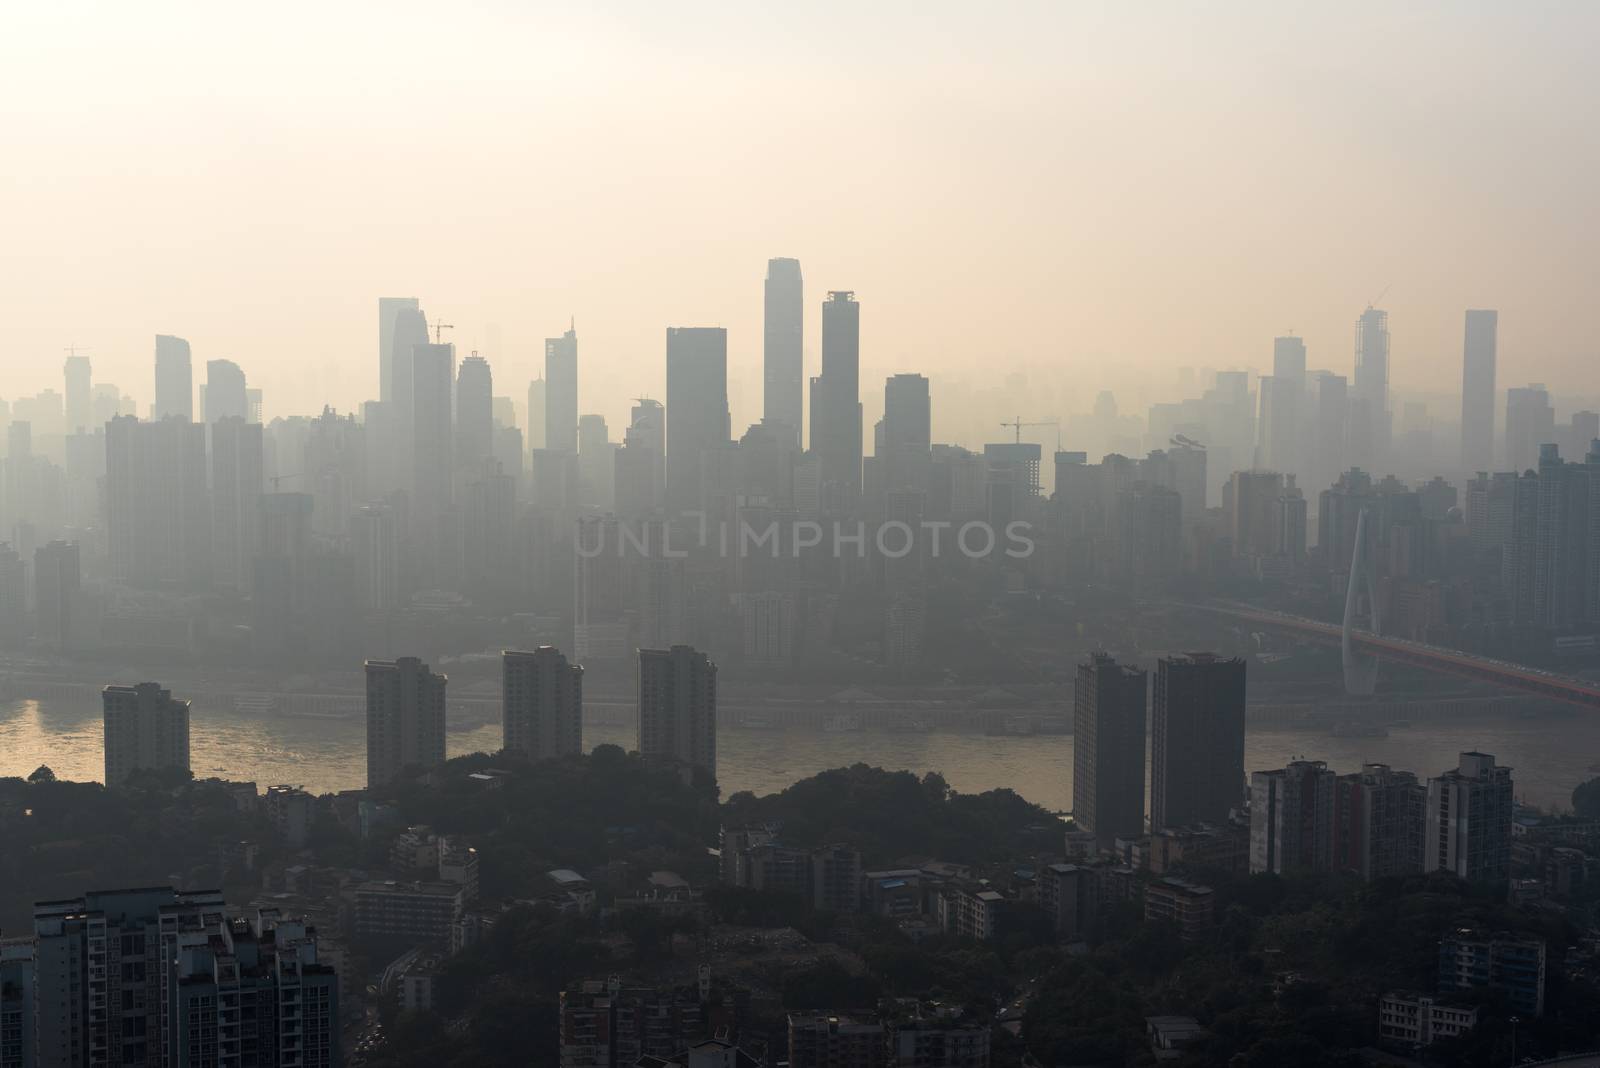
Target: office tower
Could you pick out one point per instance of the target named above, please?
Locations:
(561, 392)
(1253, 515)
(697, 408)
(904, 455)
(1290, 520)
(541, 704)
(333, 470)
(146, 729)
(106, 402)
(158, 976)
(405, 718)
(1530, 423)
(57, 581)
(596, 463)
(836, 400)
(224, 395)
(1292, 818)
(782, 352)
(79, 394)
(1147, 533)
(1468, 828)
(1330, 418)
(236, 485)
(1378, 822)
(1477, 390)
(174, 379)
(1108, 755)
(678, 708)
(1196, 740)
(392, 333)
(158, 522)
(488, 511)
(474, 413)
(1372, 378)
(375, 535)
(639, 478)
(1283, 396)
(536, 414)
(432, 459)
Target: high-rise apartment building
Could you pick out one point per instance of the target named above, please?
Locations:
(782, 352)
(224, 395)
(1566, 548)
(405, 718)
(639, 476)
(541, 703)
(1292, 818)
(678, 708)
(1530, 423)
(836, 400)
(536, 414)
(57, 581)
(146, 729)
(1468, 823)
(1371, 424)
(158, 523)
(1378, 822)
(903, 451)
(157, 976)
(1477, 390)
(561, 392)
(375, 535)
(237, 481)
(174, 379)
(1196, 740)
(697, 408)
(1108, 749)
(432, 451)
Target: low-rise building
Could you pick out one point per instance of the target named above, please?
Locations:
(1414, 1020)
(422, 913)
(1188, 905)
(1170, 1034)
(1070, 893)
(969, 910)
(935, 1042)
(1513, 966)
(818, 1040)
(896, 893)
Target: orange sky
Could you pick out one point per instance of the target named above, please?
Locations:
(1096, 194)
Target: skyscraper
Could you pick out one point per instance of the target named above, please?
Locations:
(1108, 753)
(836, 400)
(79, 394)
(697, 407)
(474, 413)
(174, 379)
(782, 349)
(57, 580)
(639, 480)
(905, 460)
(396, 330)
(541, 704)
(225, 394)
(1468, 828)
(375, 534)
(561, 392)
(1477, 391)
(678, 708)
(432, 450)
(597, 464)
(145, 729)
(536, 414)
(1530, 423)
(236, 485)
(405, 718)
(1370, 429)
(158, 526)
(1197, 740)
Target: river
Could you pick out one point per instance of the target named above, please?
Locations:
(1551, 754)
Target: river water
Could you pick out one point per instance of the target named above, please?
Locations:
(1551, 754)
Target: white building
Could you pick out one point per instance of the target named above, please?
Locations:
(1416, 1021)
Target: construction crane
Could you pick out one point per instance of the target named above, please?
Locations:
(441, 326)
(73, 350)
(277, 479)
(1017, 424)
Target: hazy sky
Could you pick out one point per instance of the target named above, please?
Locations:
(1096, 189)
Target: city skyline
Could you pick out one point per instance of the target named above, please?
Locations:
(1047, 263)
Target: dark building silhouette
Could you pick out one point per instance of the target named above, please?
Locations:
(541, 703)
(1196, 740)
(1108, 749)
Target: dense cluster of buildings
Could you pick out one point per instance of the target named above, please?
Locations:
(165, 977)
(1379, 822)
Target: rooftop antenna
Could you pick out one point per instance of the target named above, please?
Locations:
(441, 326)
